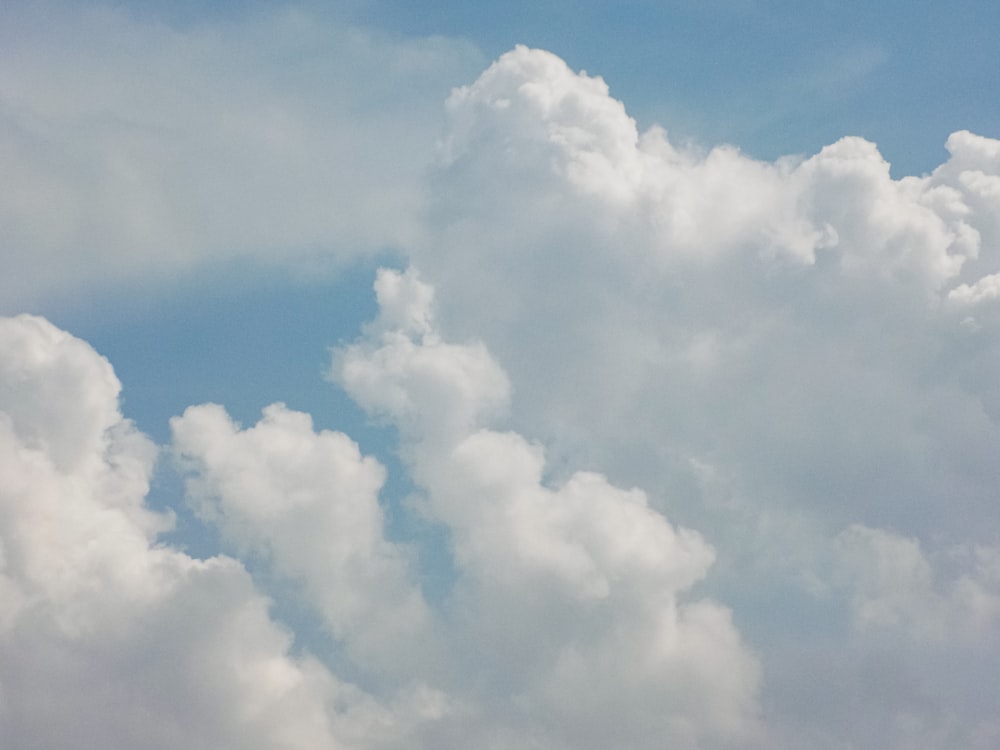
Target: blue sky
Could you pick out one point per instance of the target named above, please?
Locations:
(553, 375)
(771, 77)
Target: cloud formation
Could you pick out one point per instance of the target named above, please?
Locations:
(623, 653)
(798, 357)
(795, 360)
(568, 597)
(309, 503)
(108, 638)
(736, 311)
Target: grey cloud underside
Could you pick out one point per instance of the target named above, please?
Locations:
(796, 361)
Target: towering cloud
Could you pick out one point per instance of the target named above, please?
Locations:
(799, 357)
(813, 325)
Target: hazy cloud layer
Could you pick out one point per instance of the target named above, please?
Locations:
(136, 150)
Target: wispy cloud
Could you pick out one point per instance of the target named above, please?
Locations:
(136, 149)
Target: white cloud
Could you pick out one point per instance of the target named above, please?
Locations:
(984, 289)
(309, 503)
(797, 326)
(68, 413)
(433, 390)
(564, 151)
(107, 638)
(653, 303)
(570, 605)
(776, 352)
(570, 623)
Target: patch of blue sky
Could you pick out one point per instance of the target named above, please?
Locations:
(240, 338)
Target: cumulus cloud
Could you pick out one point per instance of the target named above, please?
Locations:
(795, 358)
(570, 622)
(309, 502)
(577, 588)
(788, 321)
(776, 351)
(108, 638)
(984, 289)
(546, 129)
(404, 371)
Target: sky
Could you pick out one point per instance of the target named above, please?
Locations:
(562, 376)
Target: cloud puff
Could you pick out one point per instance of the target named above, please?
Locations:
(568, 622)
(535, 127)
(309, 502)
(432, 389)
